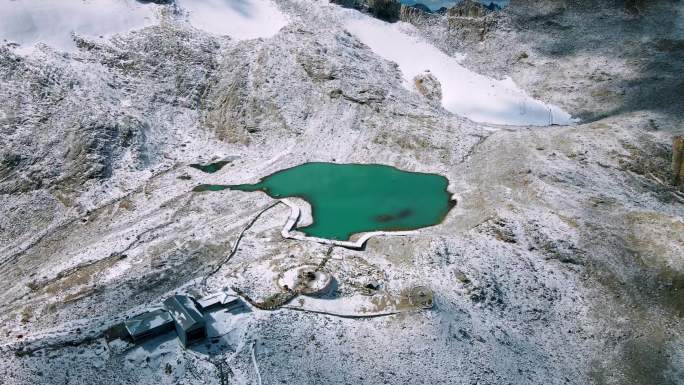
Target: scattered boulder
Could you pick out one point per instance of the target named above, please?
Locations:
(429, 86)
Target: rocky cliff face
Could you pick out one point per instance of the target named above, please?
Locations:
(560, 264)
(468, 8)
(412, 14)
(387, 10)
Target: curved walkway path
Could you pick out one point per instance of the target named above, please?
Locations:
(295, 212)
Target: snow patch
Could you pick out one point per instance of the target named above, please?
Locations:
(28, 22)
(465, 93)
(115, 272)
(239, 19)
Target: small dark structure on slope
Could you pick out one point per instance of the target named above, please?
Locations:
(188, 319)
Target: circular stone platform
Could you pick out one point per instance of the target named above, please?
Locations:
(307, 279)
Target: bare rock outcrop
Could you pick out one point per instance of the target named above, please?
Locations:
(468, 8)
(417, 14)
(429, 86)
(387, 10)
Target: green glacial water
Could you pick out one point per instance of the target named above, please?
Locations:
(210, 168)
(352, 198)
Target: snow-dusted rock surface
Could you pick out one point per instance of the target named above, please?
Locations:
(561, 263)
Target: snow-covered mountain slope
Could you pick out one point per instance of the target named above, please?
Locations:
(465, 92)
(245, 19)
(560, 263)
(28, 22)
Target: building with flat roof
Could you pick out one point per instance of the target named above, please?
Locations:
(218, 300)
(188, 319)
(149, 324)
